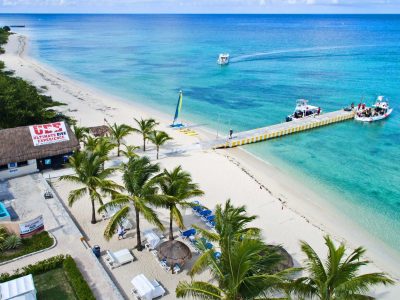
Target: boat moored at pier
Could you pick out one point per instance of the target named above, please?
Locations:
(379, 111)
(303, 110)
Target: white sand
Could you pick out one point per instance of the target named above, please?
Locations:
(288, 211)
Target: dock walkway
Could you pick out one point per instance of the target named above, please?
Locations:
(278, 130)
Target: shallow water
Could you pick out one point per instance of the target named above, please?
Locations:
(331, 60)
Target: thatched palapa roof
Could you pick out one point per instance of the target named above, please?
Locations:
(16, 145)
(102, 130)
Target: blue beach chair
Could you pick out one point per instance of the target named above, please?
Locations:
(200, 210)
(205, 213)
(209, 246)
(186, 234)
(211, 224)
(209, 218)
(217, 255)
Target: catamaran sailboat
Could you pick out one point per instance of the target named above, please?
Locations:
(379, 111)
(303, 110)
(223, 59)
(176, 123)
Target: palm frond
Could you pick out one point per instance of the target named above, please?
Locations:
(76, 195)
(199, 290)
(115, 221)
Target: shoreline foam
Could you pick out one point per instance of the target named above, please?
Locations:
(92, 105)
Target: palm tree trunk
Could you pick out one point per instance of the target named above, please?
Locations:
(118, 146)
(144, 143)
(139, 246)
(171, 234)
(158, 150)
(93, 213)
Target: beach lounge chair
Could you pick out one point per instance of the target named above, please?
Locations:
(119, 258)
(163, 264)
(177, 269)
(211, 224)
(209, 245)
(205, 213)
(209, 218)
(217, 255)
(190, 232)
(198, 211)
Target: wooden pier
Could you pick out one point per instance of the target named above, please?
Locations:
(279, 130)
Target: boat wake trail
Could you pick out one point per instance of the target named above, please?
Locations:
(266, 55)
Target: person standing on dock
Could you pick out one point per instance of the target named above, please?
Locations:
(230, 133)
(319, 111)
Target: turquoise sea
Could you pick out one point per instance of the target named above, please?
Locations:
(331, 60)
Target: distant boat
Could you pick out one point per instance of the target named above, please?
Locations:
(303, 110)
(379, 111)
(223, 59)
(176, 123)
(21, 26)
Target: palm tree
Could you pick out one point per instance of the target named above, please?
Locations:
(141, 184)
(230, 223)
(90, 173)
(159, 138)
(81, 133)
(178, 187)
(337, 277)
(145, 126)
(246, 267)
(129, 151)
(118, 132)
(102, 146)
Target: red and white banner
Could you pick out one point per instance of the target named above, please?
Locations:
(51, 133)
(31, 227)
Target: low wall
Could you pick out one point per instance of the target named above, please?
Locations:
(20, 171)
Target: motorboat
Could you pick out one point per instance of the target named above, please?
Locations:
(379, 111)
(223, 59)
(303, 110)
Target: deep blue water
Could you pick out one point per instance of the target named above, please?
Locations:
(330, 60)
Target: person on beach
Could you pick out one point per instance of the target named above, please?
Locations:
(121, 232)
(319, 111)
(230, 133)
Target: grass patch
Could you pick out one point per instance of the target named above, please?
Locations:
(57, 277)
(53, 284)
(35, 243)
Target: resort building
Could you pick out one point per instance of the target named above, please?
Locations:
(28, 149)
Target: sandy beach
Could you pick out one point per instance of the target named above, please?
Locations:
(288, 211)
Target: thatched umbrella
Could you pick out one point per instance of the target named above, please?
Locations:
(174, 252)
(287, 260)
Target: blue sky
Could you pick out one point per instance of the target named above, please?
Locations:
(200, 6)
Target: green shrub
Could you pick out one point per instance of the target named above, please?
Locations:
(3, 235)
(35, 243)
(67, 263)
(35, 269)
(6, 28)
(11, 242)
(75, 278)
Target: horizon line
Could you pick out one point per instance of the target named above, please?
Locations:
(189, 13)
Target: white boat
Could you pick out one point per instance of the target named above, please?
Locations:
(303, 110)
(223, 59)
(379, 111)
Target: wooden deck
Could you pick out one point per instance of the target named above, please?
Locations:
(278, 130)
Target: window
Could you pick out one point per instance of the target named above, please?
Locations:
(12, 165)
(47, 161)
(22, 163)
